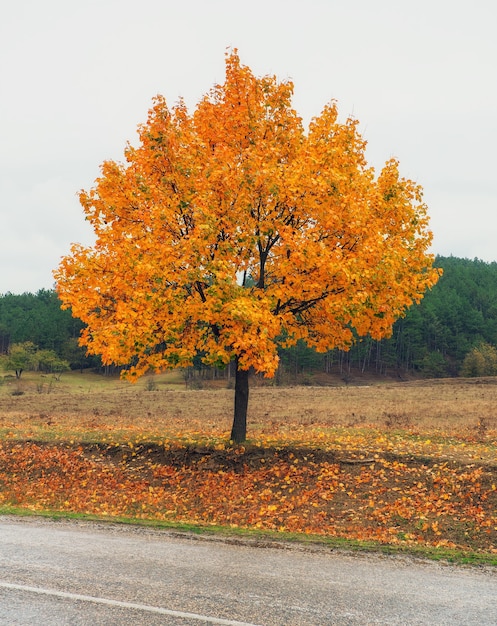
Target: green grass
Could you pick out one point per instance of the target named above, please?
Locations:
(88, 381)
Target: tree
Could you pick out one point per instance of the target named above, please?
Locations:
(480, 361)
(232, 231)
(20, 357)
(4, 339)
(75, 355)
(28, 356)
(49, 361)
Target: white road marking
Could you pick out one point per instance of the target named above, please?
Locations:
(125, 605)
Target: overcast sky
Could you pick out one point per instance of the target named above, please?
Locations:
(78, 76)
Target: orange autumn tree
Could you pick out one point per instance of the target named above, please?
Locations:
(231, 231)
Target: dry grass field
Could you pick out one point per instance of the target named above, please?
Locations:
(161, 406)
(400, 464)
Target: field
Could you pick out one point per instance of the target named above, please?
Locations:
(398, 466)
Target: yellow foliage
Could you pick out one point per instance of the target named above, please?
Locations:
(232, 230)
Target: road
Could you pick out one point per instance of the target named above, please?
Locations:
(79, 573)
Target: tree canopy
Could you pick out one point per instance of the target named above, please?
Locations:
(231, 231)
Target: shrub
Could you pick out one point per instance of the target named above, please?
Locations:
(480, 361)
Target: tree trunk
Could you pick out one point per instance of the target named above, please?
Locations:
(239, 428)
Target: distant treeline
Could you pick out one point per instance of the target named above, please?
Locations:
(454, 323)
(38, 318)
(453, 331)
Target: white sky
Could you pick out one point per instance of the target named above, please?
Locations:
(78, 76)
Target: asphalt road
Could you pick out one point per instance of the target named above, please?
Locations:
(79, 573)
